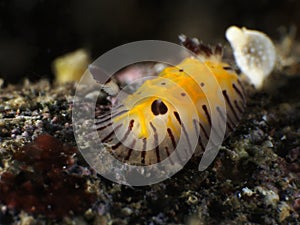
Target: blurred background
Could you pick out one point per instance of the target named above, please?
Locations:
(35, 32)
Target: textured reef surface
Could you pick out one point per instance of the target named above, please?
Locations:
(253, 180)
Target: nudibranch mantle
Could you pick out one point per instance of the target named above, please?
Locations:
(144, 127)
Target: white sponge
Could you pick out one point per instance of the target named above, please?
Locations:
(254, 53)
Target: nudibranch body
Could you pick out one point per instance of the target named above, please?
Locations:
(145, 127)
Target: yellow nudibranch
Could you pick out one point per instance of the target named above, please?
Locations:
(145, 126)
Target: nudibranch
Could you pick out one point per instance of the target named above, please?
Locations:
(254, 53)
(147, 131)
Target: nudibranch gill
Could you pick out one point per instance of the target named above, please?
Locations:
(145, 127)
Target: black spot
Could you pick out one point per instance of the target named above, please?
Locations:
(183, 94)
(130, 125)
(181, 70)
(227, 68)
(163, 108)
(170, 133)
(158, 107)
(207, 114)
(163, 83)
(154, 108)
(176, 114)
(227, 98)
(202, 84)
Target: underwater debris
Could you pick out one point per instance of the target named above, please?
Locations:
(70, 67)
(254, 53)
(1, 82)
(286, 48)
(45, 183)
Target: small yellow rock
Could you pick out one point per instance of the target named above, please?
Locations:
(271, 197)
(70, 67)
(284, 211)
(26, 219)
(1, 82)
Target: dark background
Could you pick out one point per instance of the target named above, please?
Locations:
(34, 32)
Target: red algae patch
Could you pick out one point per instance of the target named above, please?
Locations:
(44, 183)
